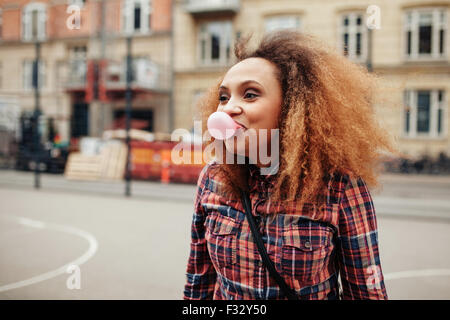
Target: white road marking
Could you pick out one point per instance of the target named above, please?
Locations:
(93, 245)
(417, 273)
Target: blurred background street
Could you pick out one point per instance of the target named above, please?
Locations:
(143, 242)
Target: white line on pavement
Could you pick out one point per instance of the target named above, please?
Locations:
(93, 245)
(417, 273)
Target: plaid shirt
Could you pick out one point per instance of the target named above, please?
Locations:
(309, 252)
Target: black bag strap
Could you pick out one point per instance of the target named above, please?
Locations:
(287, 291)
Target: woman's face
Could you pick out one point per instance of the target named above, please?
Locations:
(251, 94)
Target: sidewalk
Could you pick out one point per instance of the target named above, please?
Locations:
(144, 189)
(406, 196)
(392, 184)
(415, 178)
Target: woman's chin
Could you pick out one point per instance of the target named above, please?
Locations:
(234, 149)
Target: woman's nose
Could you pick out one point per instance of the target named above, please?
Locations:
(231, 108)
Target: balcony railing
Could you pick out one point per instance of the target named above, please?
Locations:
(146, 74)
(212, 6)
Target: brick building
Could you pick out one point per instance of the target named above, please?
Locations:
(410, 51)
(85, 40)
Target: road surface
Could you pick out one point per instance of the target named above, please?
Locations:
(137, 248)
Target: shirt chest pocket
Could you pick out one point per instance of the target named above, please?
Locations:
(305, 253)
(220, 236)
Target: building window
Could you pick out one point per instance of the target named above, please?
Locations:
(34, 18)
(28, 74)
(282, 22)
(136, 16)
(79, 3)
(78, 52)
(425, 33)
(214, 43)
(353, 36)
(424, 113)
(78, 64)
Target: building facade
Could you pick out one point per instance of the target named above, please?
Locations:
(181, 47)
(406, 42)
(82, 70)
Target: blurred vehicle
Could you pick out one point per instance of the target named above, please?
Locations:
(48, 151)
(422, 164)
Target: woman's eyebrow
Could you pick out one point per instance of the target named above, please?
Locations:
(243, 83)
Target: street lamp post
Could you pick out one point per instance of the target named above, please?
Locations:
(369, 50)
(128, 98)
(36, 115)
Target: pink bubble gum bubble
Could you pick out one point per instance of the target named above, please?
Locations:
(221, 126)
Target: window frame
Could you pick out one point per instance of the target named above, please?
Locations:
(205, 35)
(78, 62)
(352, 30)
(128, 18)
(410, 99)
(80, 3)
(26, 21)
(413, 27)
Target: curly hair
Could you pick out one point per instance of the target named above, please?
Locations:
(327, 124)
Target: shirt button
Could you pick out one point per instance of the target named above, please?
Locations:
(307, 244)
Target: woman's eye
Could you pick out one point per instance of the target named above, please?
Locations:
(250, 95)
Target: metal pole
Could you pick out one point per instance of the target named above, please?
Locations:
(369, 50)
(102, 58)
(172, 72)
(127, 118)
(36, 114)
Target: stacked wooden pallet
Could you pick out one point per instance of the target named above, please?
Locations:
(109, 164)
(83, 167)
(114, 160)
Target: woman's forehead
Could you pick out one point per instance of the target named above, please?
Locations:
(257, 69)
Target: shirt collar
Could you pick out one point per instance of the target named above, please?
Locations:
(256, 171)
(255, 174)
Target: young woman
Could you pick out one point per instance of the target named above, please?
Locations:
(314, 212)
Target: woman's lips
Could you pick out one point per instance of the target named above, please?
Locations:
(242, 126)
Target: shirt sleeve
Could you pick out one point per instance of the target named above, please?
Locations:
(358, 256)
(200, 273)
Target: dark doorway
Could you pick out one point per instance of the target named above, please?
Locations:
(80, 120)
(140, 119)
